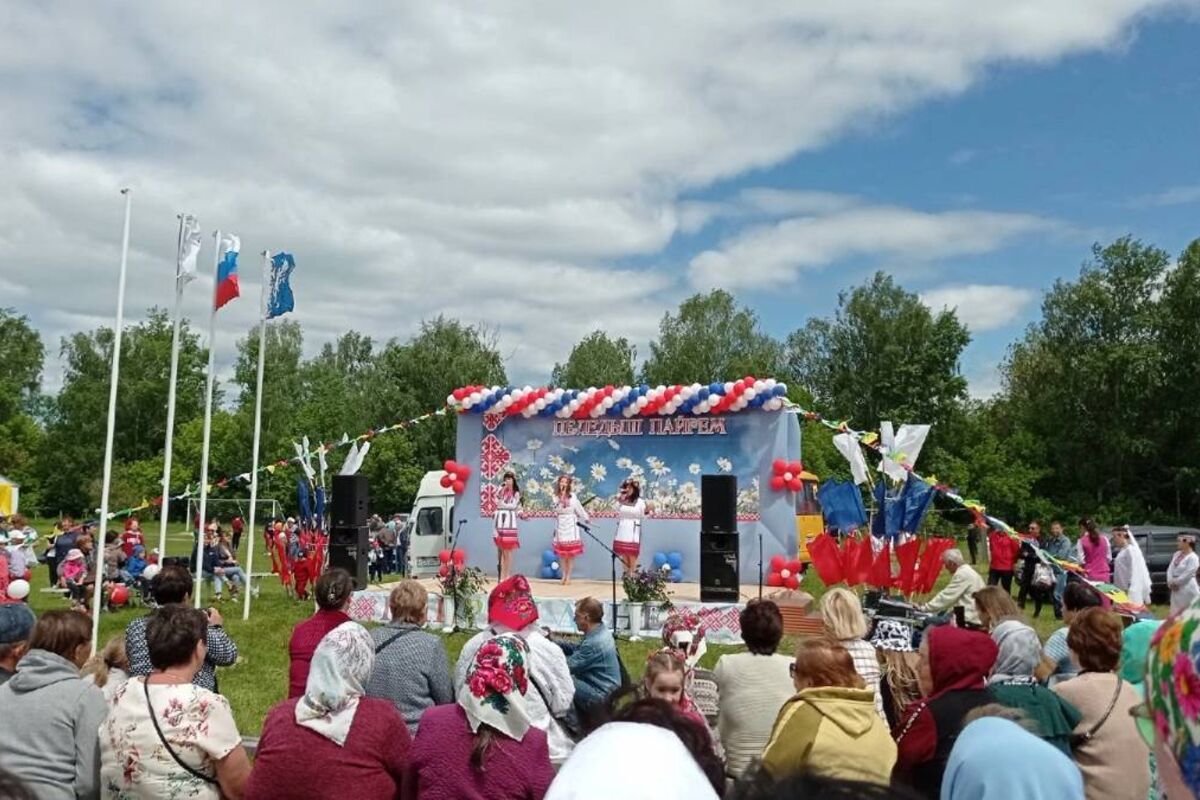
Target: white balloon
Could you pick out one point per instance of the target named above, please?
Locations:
(450, 400)
(643, 401)
(476, 397)
(151, 571)
(528, 389)
(685, 392)
(659, 389)
(540, 404)
(750, 393)
(728, 387)
(554, 566)
(608, 402)
(769, 383)
(18, 589)
(696, 388)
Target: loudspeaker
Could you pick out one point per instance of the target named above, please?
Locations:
(350, 498)
(719, 568)
(348, 548)
(718, 503)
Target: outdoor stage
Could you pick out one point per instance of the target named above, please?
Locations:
(556, 607)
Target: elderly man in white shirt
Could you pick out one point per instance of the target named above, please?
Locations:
(964, 583)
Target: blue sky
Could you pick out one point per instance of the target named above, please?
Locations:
(549, 169)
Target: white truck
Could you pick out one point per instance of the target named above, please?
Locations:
(430, 525)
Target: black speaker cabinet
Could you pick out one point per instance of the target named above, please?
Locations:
(719, 567)
(348, 548)
(350, 499)
(718, 503)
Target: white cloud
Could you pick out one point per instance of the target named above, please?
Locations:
(768, 255)
(1175, 196)
(981, 307)
(488, 162)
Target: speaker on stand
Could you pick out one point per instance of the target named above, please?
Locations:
(719, 540)
(348, 542)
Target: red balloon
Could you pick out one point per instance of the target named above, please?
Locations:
(795, 467)
(459, 486)
(444, 556)
(118, 595)
(794, 566)
(778, 562)
(777, 483)
(774, 579)
(459, 393)
(462, 470)
(450, 466)
(447, 481)
(796, 484)
(779, 466)
(443, 570)
(748, 380)
(739, 386)
(792, 582)
(459, 556)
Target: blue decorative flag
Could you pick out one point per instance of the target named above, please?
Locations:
(281, 300)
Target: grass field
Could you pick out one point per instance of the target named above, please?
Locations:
(259, 679)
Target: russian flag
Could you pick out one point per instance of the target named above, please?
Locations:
(227, 278)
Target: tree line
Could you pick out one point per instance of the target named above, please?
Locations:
(1096, 414)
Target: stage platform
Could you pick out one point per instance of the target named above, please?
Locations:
(556, 607)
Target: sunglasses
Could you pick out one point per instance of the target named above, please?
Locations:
(1143, 718)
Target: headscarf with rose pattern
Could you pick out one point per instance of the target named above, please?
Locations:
(1173, 690)
(494, 691)
(511, 604)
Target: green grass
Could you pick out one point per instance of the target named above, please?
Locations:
(260, 677)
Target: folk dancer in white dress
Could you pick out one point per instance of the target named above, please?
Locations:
(1130, 573)
(631, 510)
(568, 544)
(508, 503)
(1181, 575)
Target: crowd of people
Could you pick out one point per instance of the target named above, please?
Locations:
(973, 706)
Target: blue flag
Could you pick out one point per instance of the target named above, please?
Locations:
(281, 300)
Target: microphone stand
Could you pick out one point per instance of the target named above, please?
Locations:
(452, 625)
(604, 546)
(760, 569)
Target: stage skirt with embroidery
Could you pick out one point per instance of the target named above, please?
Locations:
(628, 541)
(567, 538)
(505, 520)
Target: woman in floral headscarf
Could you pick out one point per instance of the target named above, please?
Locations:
(485, 745)
(334, 736)
(1169, 720)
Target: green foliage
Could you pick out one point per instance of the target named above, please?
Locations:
(884, 355)
(596, 361)
(711, 338)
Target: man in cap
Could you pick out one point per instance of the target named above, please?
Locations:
(16, 623)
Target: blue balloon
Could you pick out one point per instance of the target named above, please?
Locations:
(716, 388)
(659, 560)
(547, 557)
(547, 573)
(676, 576)
(675, 559)
(780, 390)
(703, 393)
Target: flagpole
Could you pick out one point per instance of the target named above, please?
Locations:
(262, 353)
(208, 398)
(98, 547)
(167, 447)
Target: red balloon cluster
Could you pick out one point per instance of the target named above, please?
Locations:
(786, 475)
(463, 392)
(784, 572)
(733, 396)
(446, 557)
(587, 406)
(455, 477)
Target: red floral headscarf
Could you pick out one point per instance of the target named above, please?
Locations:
(511, 604)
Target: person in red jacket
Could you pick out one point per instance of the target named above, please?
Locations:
(1004, 550)
(334, 590)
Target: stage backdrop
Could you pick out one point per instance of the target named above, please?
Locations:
(668, 455)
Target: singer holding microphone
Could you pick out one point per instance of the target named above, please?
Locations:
(568, 545)
(508, 503)
(631, 510)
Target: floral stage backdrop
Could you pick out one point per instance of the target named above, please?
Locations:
(666, 457)
(666, 454)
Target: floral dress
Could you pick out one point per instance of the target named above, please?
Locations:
(505, 520)
(134, 763)
(628, 541)
(567, 541)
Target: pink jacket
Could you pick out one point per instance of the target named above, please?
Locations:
(72, 570)
(1095, 558)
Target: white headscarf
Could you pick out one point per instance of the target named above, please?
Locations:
(1139, 573)
(494, 692)
(340, 668)
(631, 760)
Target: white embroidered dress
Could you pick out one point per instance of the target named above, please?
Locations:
(628, 541)
(505, 520)
(568, 542)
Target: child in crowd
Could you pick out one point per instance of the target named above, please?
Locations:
(73, 573)
(664, 680)
(375, 561)
(135, 565)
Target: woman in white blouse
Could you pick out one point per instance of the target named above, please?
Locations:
(508, 501)
(1181, 575)
(568, 544)
(631, 510)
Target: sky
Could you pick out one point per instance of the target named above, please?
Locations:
(548, 169)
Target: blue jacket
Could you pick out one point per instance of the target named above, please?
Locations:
(594, 666)
(135, 566)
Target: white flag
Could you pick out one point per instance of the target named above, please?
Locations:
(901, 448)
(189, 249)
(848, 446)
